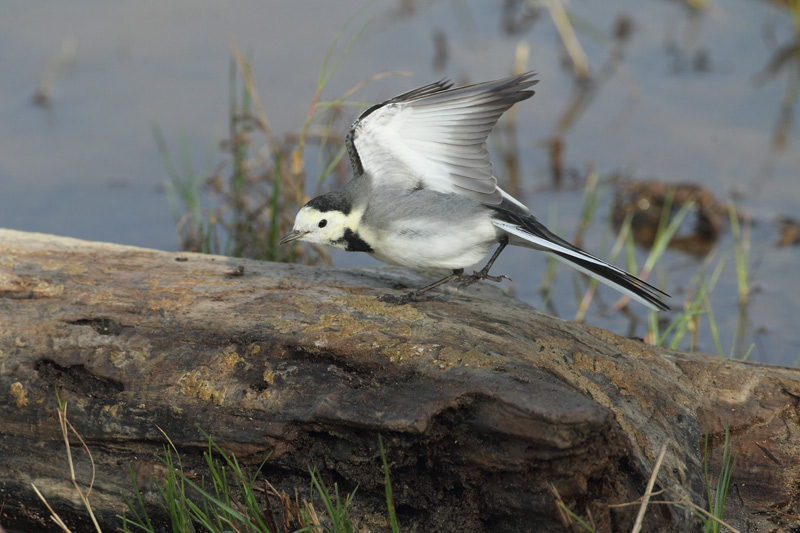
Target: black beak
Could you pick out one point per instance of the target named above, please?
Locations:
(292, 236)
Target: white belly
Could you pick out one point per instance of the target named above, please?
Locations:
(446, 246)
(427, 229)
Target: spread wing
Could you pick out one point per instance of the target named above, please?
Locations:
(435, 137)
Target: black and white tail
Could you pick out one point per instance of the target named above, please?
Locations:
(536, 235)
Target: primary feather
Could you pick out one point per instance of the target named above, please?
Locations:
(435, 138)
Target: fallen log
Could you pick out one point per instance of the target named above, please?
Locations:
(485, 405)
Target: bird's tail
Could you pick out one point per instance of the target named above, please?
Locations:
(536, 235)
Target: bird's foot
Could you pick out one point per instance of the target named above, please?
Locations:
(479, 275)
(399, 300)
(415, 296)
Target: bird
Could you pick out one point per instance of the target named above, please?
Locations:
(424, 195)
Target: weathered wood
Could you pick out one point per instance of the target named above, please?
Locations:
(481, 400)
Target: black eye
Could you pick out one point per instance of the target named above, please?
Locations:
(322, 223)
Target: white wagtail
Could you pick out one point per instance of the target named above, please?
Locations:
(424, 196)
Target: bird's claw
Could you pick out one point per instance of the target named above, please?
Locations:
(398, 300)
(466, 281)
(496, 279)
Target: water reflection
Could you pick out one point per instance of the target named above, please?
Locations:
(683, 39)
(649, 205)
(789, 233)
(584, 89)
(56, 65)
(785, 60)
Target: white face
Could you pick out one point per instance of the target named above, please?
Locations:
(314, 226)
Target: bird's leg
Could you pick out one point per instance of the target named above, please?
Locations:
(466, 281)
(457, 275)
(413, 296)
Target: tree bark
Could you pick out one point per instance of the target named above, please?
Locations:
(483, 403)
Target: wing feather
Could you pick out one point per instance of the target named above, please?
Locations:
(435, 137)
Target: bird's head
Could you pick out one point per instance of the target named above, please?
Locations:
(324, 220)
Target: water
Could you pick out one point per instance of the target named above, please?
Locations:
(681, 105)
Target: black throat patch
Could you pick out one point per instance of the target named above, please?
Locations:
(353, 242)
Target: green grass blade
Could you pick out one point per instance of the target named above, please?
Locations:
(716, 504)
(583, 523)
(712, 324)
(746, 356)
(389, 496)
(741, 252)
(142, 520)
(326, 71)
